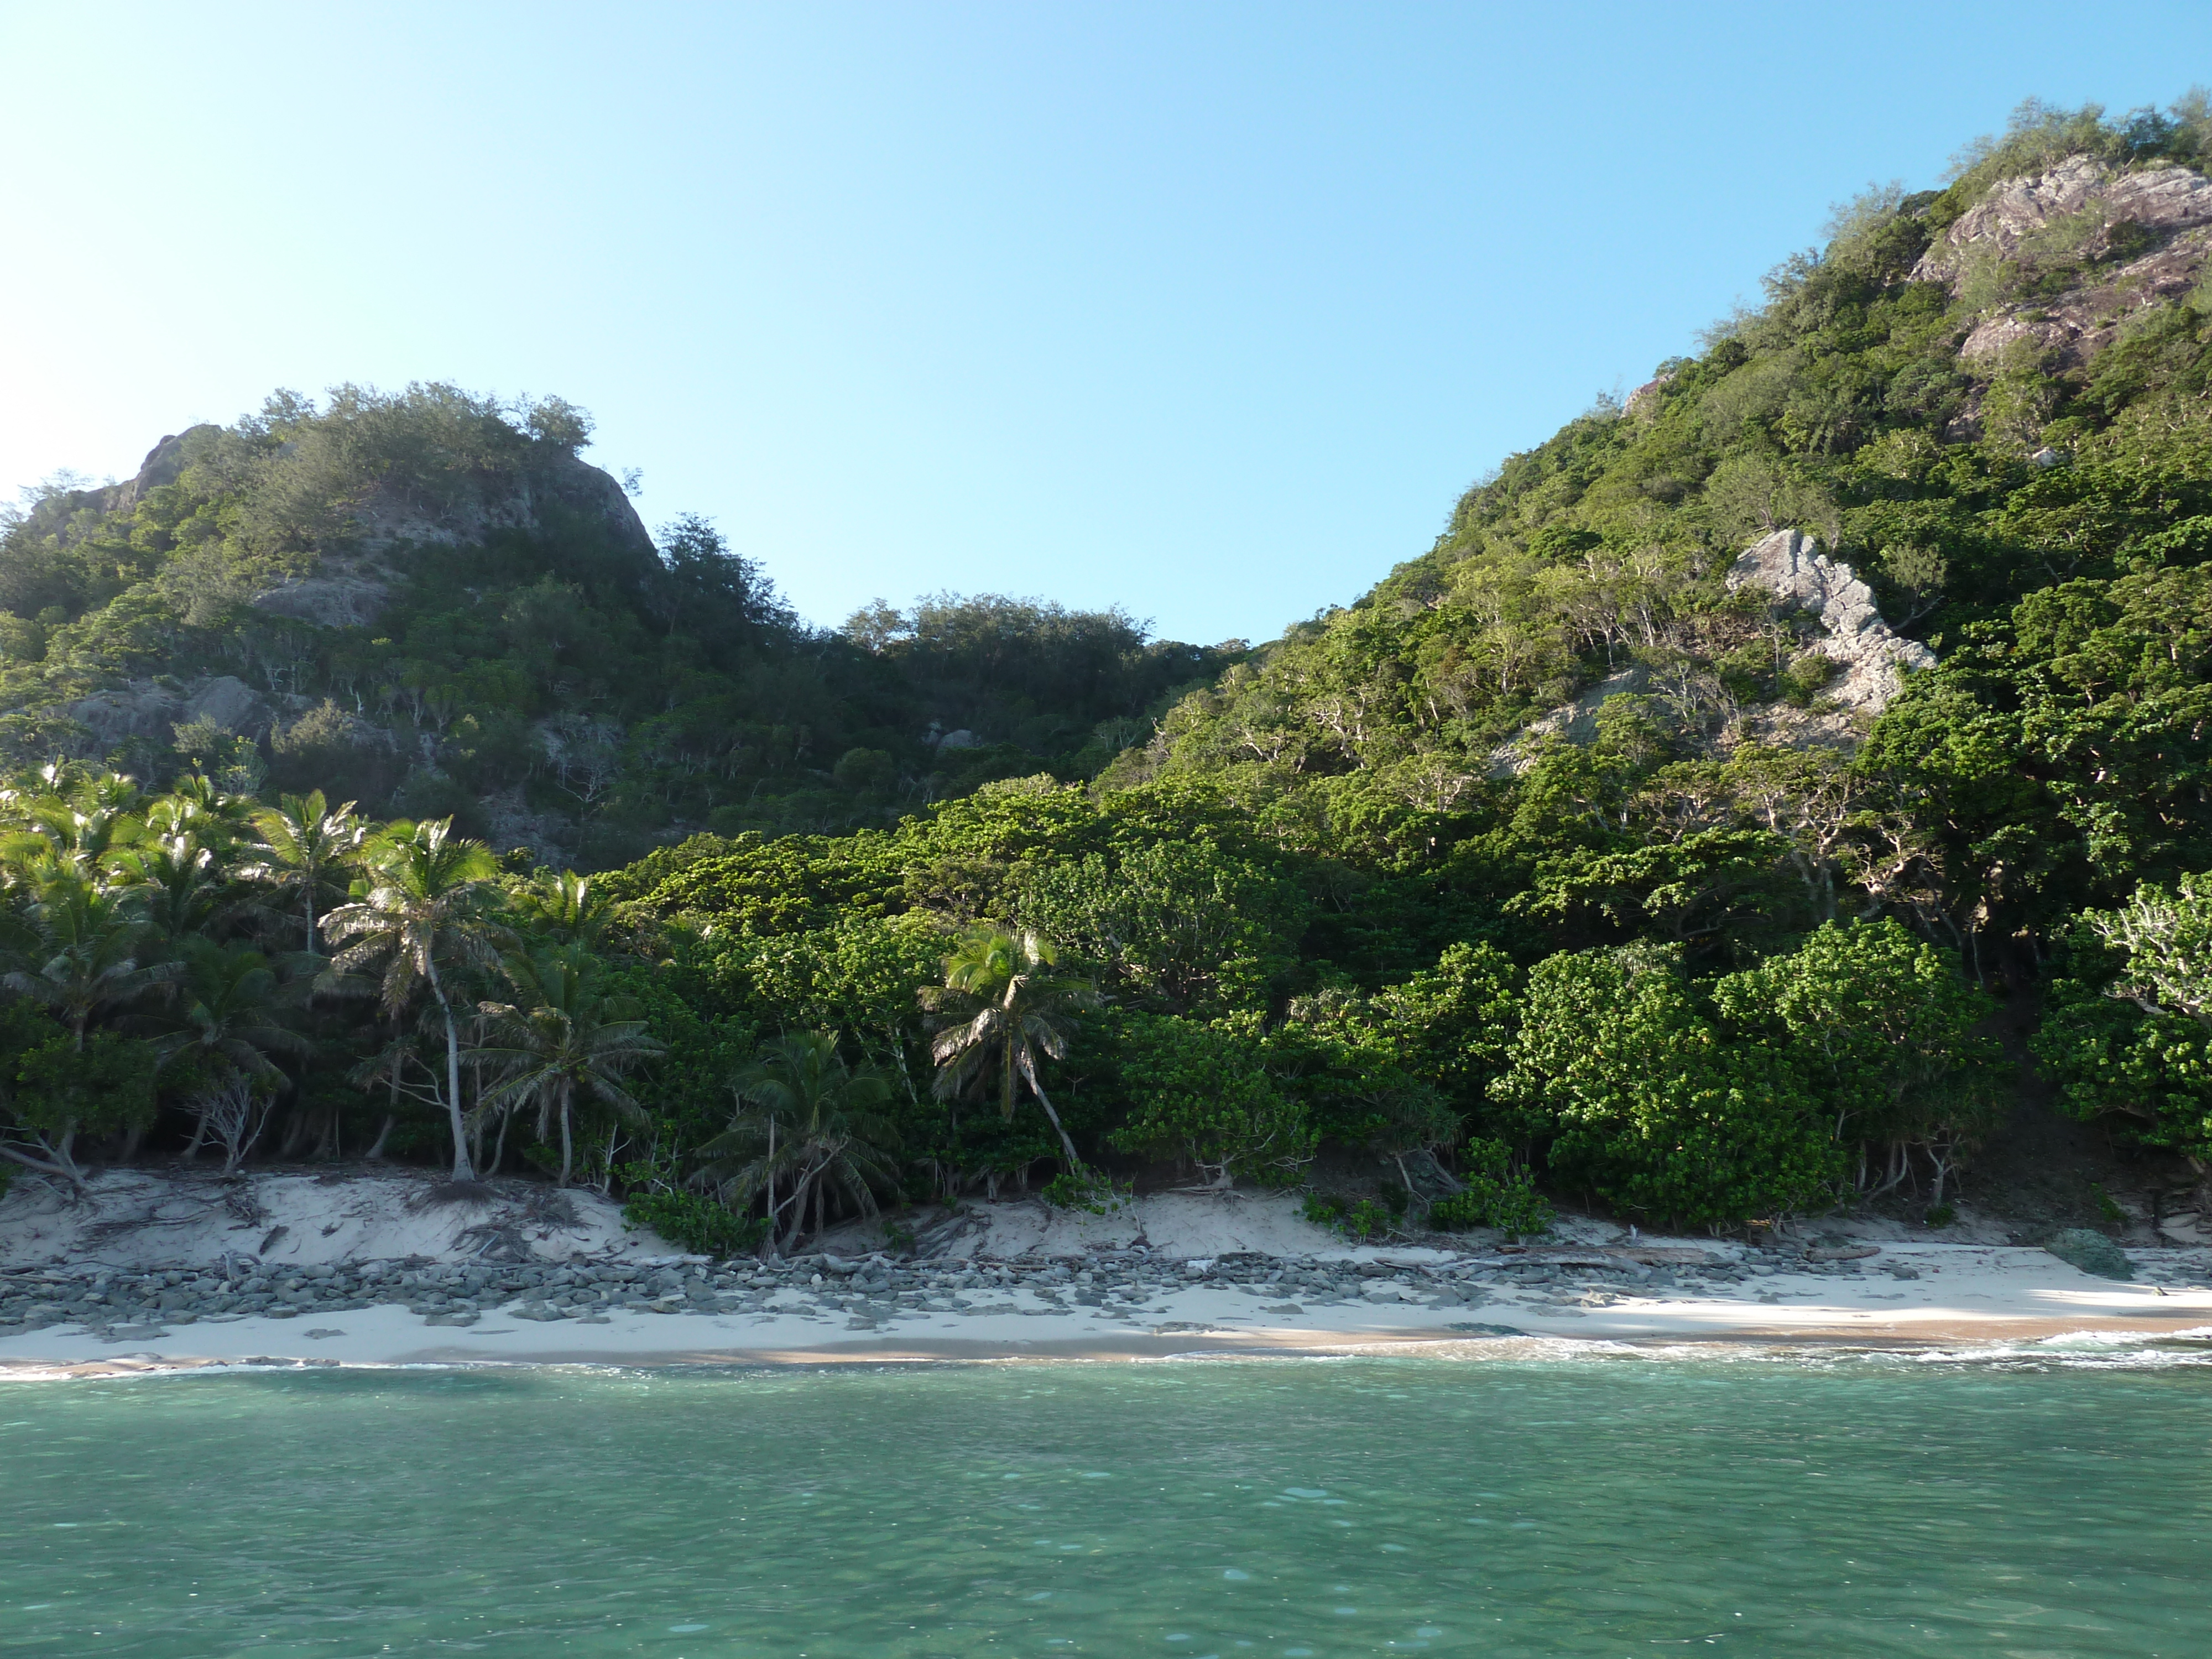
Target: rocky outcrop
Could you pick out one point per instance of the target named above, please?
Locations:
(1575, 721)
(351, 582)
(2160, 199)
(144, 710)
(1872, 656)
(342, 593)
(228, 702)
(523, 499)
(2170, 204)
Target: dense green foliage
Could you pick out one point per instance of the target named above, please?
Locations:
(529, 648)
(1727, 950)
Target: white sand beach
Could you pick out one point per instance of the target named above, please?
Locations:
(1174, 1275)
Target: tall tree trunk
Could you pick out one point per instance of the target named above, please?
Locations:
(1074, 1162)
(463, 1169)
(566, 1151)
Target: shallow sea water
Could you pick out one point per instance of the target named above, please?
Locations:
(1585, 1503)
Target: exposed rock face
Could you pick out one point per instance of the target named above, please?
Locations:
(1575, 721)
(2172, 202)
(130, 711)
(1802, 578)
(341, 594)
(1787, 565)
(142, 709)
(517, 500)
(1644, 402)
(231, 704)
(509, 822)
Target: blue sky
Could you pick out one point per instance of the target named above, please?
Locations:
(1209, 311)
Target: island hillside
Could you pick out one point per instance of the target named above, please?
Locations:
(1780, 791)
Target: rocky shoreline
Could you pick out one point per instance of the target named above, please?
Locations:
(1136, 1287)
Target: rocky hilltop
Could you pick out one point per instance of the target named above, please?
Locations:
(426, 601)
(2142, 235)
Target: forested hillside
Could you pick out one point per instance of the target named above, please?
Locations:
(425, 601)
(1781, 790)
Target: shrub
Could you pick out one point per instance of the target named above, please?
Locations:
(1498, 1195)
(1647, 1108)
(1086, 1190)
(1200, 1094)
(698, 1224)
(1365, 1219)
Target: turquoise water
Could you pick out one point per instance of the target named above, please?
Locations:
(1301, 1510)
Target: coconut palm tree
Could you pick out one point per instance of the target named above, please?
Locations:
(76, 949)
(563, 908)
(226, 1008)
(173, 882)
(806, 1122)
(73, 823)
(304, 844)
(426, 889)
(1000, 1012)
(561, 1041)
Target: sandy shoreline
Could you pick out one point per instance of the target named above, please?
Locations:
(1963, 1294)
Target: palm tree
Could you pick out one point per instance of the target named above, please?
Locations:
(75, 823)
(561, 1041)
(806, 1121)
(227, 1010)
(424, 901)
(175, 884)
(304, 844)
(999, 1010)
(563, 908)
(76, 951)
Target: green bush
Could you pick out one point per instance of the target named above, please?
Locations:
(698, 1224)
(1199, 1094)
(1086, 1190)
(1365, 1219)
(1647, 1108)
(1498, 1195)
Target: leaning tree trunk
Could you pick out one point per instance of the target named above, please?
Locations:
(1029, 1076)
(463, 1170)
(58, 1162)
(566, 1150)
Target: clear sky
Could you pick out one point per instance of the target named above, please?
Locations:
(1210, 310)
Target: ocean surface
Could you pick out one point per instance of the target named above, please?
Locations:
(2047, 1502)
